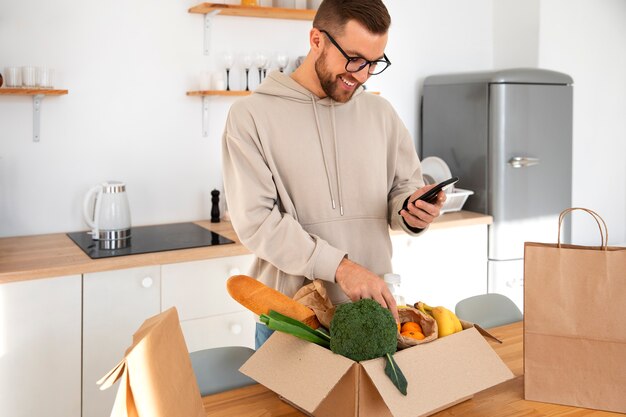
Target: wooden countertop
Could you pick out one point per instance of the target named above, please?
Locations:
(503, 400)
(51, 255)
(43, 256)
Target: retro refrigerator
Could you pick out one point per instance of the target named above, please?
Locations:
(507, 135)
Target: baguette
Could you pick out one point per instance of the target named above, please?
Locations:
(260, 299)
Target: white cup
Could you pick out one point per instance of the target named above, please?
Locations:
(44, 77)
(29, 76)
(13, 76)
(219, 83)
(205, 80)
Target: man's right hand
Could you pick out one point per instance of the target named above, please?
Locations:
(358, 282)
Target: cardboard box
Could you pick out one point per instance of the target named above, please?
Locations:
(315, 380)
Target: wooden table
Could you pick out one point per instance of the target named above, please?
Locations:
(506, 399)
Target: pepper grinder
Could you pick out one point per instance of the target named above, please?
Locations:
(215, 208)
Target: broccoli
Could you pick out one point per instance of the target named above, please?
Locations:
(363, 330)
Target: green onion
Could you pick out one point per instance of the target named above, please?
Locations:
(278, 322)
(278, 316)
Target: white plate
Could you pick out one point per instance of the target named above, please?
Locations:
(435, 170)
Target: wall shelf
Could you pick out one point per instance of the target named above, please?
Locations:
(38, 94)
(203, 93)
(31, 92)
(209, 10)
(254, 11)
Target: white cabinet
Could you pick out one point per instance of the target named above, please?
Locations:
(209, 316)
(40, 347)
(442, 266)
(115, 304)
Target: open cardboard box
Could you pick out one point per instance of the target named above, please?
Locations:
(440, 373)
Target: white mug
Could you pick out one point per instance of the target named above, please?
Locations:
(205, 80)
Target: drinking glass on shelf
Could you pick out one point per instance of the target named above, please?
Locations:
(13, 76)
(246, 60)
(44, 77)
(282, 60)
(29, 76)
(229, 59)
(260, 62)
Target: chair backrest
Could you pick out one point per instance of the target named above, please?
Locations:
(488, 310)
(217, 369)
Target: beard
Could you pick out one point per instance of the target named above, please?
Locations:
(328, 81)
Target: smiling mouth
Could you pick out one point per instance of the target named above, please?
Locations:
(349, 84)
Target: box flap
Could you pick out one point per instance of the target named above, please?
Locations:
(318, 369)
(468, 324)
(439, 373)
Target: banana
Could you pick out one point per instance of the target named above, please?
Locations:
(447, 322)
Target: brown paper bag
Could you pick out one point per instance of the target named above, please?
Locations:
(315, 296)
(574, 323)
(156, 377)
(426, 322)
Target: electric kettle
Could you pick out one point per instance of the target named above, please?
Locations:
(109, 217)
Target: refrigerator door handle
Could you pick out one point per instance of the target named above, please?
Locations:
(523, 161)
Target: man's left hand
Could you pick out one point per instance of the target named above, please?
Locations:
(419, 213)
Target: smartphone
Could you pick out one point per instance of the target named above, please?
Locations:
(430, 195)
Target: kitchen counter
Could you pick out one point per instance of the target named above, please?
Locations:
(43, 256)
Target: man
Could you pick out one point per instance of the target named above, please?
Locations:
(316, 170)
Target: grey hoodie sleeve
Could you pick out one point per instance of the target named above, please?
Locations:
(253, 204)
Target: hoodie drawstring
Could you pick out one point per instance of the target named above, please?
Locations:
(339, 191)
(319, 136)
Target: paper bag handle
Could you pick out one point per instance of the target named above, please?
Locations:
(604, 234)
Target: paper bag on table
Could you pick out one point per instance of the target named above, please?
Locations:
(156, 377)
(574, 327)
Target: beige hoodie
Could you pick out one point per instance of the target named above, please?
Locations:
(309, 181)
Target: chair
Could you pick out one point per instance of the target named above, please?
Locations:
(217, 369)
(488, 310)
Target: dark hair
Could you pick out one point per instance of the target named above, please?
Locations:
(333, 15)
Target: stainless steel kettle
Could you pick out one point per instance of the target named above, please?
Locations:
(107, 212)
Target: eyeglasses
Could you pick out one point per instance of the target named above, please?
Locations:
(357, 63)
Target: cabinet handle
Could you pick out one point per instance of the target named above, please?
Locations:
(234, 271)
(147, 282)
(236, 328)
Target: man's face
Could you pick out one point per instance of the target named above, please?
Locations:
(330, 66)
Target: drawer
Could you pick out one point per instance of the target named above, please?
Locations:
(235, 329)
(198, 289)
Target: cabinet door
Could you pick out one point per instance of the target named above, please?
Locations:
(40, 347)
(442, 266)
(198, 290)
(115, 304)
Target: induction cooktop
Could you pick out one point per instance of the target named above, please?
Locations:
(146, 239)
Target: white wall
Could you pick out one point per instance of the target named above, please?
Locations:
(128, 64)
(587, 40)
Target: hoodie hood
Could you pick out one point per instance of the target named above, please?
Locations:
(281, 85)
